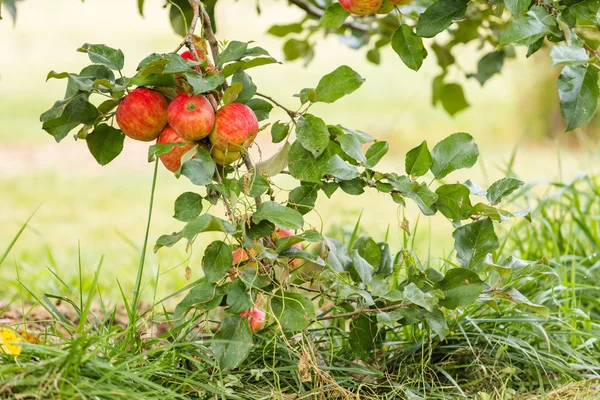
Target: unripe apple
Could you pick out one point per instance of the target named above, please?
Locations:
(224, 157)
(361, 7)
(256, 318)
(236, 127)
(172, 159)
(192, 117)
(142, 114)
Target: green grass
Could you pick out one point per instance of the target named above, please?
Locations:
(504, 354)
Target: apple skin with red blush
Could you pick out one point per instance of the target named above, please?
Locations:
(236, 127)
(361, 7)
(142, 114)
(192, 117)
(172, 159)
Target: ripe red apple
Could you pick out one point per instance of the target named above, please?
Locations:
(361, 7)
(224, 157)
(192, 117)
(172, 159)
(142, 114)
(256, 318)
(236, 127)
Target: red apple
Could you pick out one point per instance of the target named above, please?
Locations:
(236, 127)
(224, 157)
(142, 114)
(361, 7)
(192, 117)
(256, 318)
(172, 159)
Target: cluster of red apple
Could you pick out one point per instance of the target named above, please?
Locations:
(145, 115)
(256, 316)
(368, 7)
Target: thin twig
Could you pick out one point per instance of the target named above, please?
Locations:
(188, 40)
(363, 311)
(291, 113)
(316, 12)
(227, 206)
(210, 36)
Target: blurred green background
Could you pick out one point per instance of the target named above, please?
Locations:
(103, 209)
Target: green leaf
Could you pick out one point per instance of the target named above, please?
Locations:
(418, 160)
(368, 249)
(334, 16)
(337, 84)
(66, 114)
(303, 198)
(175, 64)
(248, 87)
(284, 30)
(104, 55)
(362, 268)
(294, 49)
(454, 202)
(159, 149)
(414, 295)
(232, 92)
(216, 261)
(352, 147)
(253, 185)
(261, 108)
(200, 169)
(304, 166)
(354, 187)
(454, 152)
(233, 52)
(277, 163)
(528, 28)
(409, 47)
(488, 66)
(386, 263)
(453, 98)
(282, 216)
(140, 4)
(238, 299)
(502, 188)
(437, 322)
(483, 210)
(230, 69)
(233, 342)
(293, 310)
(362, 335)
(568, 55)
(439, 16)
(338, 257)
(279, 131)
(375, 153)
(584, 10)
(203, 84)
(340, 169)
(461, 288)
(473, 242)
(514, 296)
(292, 252)
(206, 223)
(312, 133)
(105, 143)
(578, 93)
(517, 7)
(203, 297)
(188, 206)
(419, 193)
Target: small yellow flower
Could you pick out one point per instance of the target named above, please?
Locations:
(8, 338)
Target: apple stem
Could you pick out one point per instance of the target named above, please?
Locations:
(210, 35)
